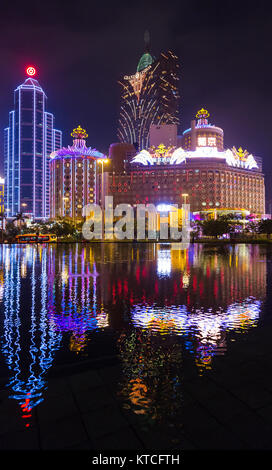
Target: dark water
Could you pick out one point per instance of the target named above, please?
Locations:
(146, 304)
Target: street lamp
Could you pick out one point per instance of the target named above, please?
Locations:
(101, 161)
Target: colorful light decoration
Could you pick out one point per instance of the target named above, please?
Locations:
(31, 71)
(240, 159)
(233, 157)
(79, 133)
(79, 147)
(202, 114)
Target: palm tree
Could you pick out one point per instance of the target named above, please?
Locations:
(20, 217)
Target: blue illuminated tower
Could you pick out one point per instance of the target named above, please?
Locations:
(28, 141)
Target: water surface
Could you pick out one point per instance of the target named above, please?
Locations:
(147, 305)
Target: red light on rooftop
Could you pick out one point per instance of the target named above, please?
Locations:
(31, 71)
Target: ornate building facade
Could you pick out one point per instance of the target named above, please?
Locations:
(73, 177)
(213, 179)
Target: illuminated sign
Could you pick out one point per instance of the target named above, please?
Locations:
(166, 156)
(137, 75)
(240, 159)
(31, 71)
(202, 141)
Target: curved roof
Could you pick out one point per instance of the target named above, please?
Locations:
(145, 61)
(78, 149)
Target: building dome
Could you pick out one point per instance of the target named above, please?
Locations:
(145, 61)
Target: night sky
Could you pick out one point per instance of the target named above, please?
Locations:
(80, 50)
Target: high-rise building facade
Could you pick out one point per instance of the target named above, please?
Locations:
(28, 141)
(73, 177)
(150, 96)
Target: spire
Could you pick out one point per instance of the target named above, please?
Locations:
(146, 58)
(147, 40)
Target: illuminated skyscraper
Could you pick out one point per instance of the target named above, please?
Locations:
(150, 96)
(28, 141)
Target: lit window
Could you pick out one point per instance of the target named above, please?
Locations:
(212, 141)
(202, 142)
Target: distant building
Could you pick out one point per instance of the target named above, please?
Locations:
(149, 97)
(165, 134)
(28, 141)
(73, 177)
(213, 180)
(120, 153)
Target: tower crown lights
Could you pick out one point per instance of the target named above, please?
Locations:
(202, 114)
(202, 117)
(79, 133)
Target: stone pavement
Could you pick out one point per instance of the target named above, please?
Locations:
(229, 407)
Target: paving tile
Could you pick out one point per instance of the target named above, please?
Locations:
(253, 395)
(84, 445)
(63, 433)
(20, 440)
(10, 417)
(111, 375)
(266, 414)
(154, 440)
(104, 421)
(94, 398)
(124, 439)
(56, 407)
(85, 380)
(218, 438)
(57, 387)
(251, 429)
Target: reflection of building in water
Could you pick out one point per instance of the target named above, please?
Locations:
(201, 292)
(47, 292)
(30, 339)
(207, 328)
(151, 383)
(73, 294)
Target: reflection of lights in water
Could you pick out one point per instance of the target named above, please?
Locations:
(179, 319)
(28, 365)
(206, 327)
(78, 313)
(64, 275)
(185, 280)
(23, 270)
(164, 262)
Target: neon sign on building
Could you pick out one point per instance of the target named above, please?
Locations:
(172, 156)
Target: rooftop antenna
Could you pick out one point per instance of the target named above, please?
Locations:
(147, 41)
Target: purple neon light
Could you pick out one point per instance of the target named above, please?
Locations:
(78, 149)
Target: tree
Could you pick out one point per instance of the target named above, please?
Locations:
(12, 230)
(20, 217)
(216, 227)
(265, 226)
(62, 228)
